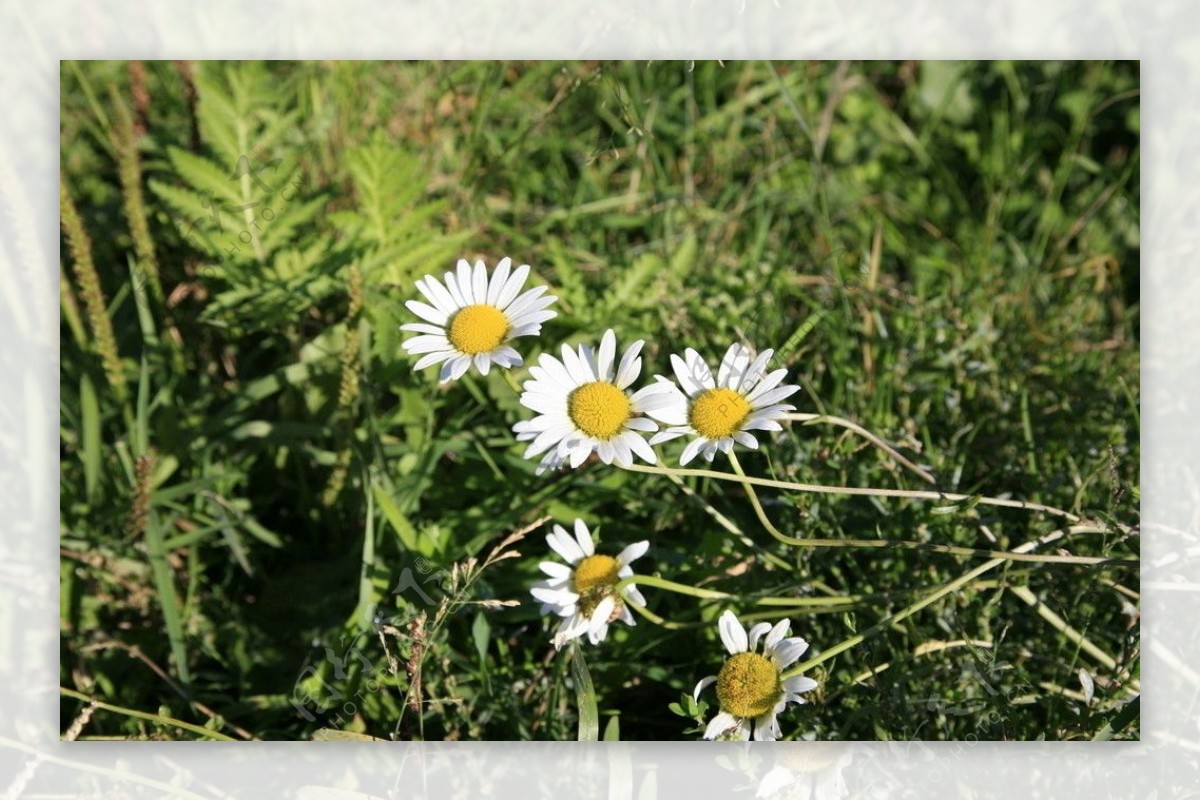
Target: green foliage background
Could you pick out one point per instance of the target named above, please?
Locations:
(946, 253)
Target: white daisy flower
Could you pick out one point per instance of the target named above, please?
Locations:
(471, 318)
(581, 592)
(719, 413)
(750, 686)
(584, 406)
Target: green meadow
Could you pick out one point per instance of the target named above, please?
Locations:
(273, 528)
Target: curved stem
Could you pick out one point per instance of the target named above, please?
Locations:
(730, 526)
(718, 595)
(809, 419)
(655, 619)
(512, 382)
(871, 491)
(913, 608)
(908, 545)
(758, 509)
(664, 584)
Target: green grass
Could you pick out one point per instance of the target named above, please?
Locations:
(945, 254)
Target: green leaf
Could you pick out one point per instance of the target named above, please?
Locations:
(400, 524)
(585, 695)
(612, 730)
(481, 631)
(91, 435)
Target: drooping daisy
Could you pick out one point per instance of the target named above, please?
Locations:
(471, 318)
(584, 406)
(809, 769)
(718, 413)
(750, 687)
(582, 592)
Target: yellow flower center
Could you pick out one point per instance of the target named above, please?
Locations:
(718, 412)
(810, 758)
(599, 409)
(594, 571)
(477, 329)
(748, 685)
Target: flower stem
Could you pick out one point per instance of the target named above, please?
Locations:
(913, 608)
(810, 419)
(758, 509)
(927, 495)
(718, 595)
(585, 696)
(512, 382)
(957, 550)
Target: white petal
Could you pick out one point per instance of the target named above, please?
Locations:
(700, 685)
(756, 632)
(506, 356)
(639, 446)
(438, 295)
(606, 355)
(788, 651)
(671, 409)
(605, 451)
(577, 367)
(458, 367)
(652, 398)
(432, 358)
(754, 371)
(668, 434)
(766, 727)
(774, 396)
(732, 633)
(555, 598)
(690, 452)
(426, 343)
(745, 439)
(768, 383)
(465, 282)
(452, 287)
(799, 684)
(601, 614)
(555, 570)
(640, 424)
(498, 280)
(531, 319)
(635, 551)
(529, 301)
(631, 366)
(424, 328)
(479, 282)
(721, 723)
(512, 287)
(584, 537)
(727, 361)
(564, 546)
(693, 375)
(624, 454)
(760, 424)
(777, 634)
(483, 363)
(580, 453)
(427, 312)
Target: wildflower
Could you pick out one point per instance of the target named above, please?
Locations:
(750, 687)
(582, 592)
(584, 406)
(471, 318)
(719, 413)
